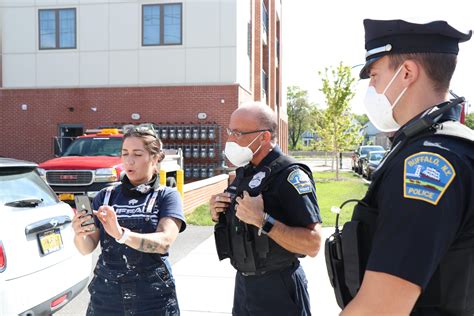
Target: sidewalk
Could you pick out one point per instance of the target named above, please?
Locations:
(318, 164)
(205, 286)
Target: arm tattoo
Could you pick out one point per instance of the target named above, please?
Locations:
(151, 246)
(142, 245)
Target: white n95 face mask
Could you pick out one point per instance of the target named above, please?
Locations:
(379, 109)
(238, 155)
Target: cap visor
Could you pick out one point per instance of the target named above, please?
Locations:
(364, 72)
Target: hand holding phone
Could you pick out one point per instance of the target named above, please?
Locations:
(83, 204)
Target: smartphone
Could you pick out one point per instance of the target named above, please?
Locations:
(84, 203)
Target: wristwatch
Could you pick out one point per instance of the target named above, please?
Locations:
(125, 234)
(268, 223)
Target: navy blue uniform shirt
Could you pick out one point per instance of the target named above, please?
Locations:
(422, 198)
(291, 197)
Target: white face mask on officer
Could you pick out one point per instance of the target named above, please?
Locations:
(238, 155)
(379, 109)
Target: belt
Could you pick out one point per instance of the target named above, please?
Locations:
(262, 272)
(253, 273)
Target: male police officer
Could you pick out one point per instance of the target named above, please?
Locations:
(268, 217)
(417, 220)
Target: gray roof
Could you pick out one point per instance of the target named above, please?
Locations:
(370, 130)
(15, 163)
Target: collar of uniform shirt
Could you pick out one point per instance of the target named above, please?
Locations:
(272, 155)
(450, 115)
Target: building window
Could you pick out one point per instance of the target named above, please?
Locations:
(264, 17)
(57, 28)
(264, 82)
(278, 49)
(162, 24)
(249, 39)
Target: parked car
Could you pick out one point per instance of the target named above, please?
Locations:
(372, 162)
(40, 267)
(360, 154)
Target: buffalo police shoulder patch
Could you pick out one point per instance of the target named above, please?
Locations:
(300, 181)
(427, 176)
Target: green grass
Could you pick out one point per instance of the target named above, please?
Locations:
(326, 176)
(329, 192)
(201, 216)
(333, 193)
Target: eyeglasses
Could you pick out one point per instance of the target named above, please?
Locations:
(239, 134)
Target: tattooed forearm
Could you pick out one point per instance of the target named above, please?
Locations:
(157, 242)
(152, 246)
(142, 245)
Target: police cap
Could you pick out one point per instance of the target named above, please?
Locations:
(383, 37)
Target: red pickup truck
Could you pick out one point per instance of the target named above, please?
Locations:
(90, 163)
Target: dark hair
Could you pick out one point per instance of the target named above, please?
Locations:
(439, 67)
(150, 139)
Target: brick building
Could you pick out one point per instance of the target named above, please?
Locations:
(70, 65)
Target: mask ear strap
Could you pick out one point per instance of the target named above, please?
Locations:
(399, 97)
(254, 152)
(393, 78)
(254, 139)
(257, 149)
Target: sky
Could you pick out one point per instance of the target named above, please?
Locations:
(319, 34)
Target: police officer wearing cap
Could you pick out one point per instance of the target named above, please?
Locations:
(409, 248)
(267, 218)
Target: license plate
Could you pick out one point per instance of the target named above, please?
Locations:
(50, 241)
(66, 196)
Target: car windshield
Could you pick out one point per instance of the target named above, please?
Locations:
(366, 150)
(376, 156)
(95, 146)
(25, 185)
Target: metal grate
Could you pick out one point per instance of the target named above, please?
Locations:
(66, 177)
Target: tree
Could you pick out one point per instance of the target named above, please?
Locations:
(298, 110)
(318, 124)
(337, 128)
(469, 121)
(361, 118)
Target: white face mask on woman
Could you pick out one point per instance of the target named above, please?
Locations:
(379, 109)
(238, 155)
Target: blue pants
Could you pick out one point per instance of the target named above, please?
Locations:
(152, 293)
(274, 293)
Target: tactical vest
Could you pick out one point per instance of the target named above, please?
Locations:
(248, 252)
(451, 288)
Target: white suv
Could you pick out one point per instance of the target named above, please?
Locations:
(40, 268)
